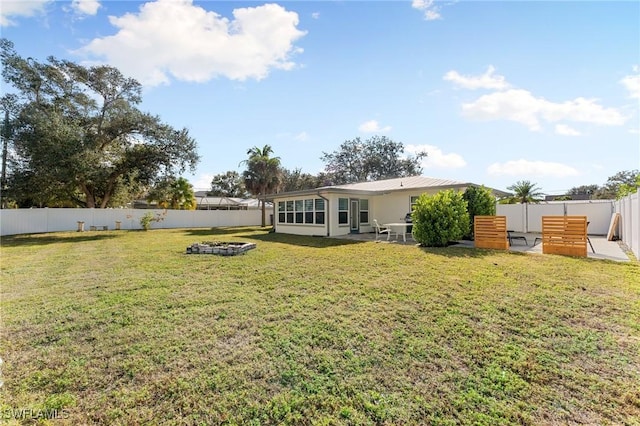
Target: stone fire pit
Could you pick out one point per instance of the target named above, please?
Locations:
(220, 248)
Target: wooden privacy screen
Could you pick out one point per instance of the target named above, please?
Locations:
(564, 235)
(490, 232)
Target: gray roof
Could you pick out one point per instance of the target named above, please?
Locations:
(388, 185)
(412, 182)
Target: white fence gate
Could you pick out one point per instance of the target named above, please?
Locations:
(32, 221)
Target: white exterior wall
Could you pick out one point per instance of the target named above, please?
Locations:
(31, 221)
(387, 208)
(394, 207)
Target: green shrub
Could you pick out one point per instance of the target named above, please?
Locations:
(440, 218)
(480, 202)
(149, 218)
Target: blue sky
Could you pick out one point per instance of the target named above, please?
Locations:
(495, 92)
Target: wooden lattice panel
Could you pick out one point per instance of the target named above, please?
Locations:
(564, 235)
(490, 232)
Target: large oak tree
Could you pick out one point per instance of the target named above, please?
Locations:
(79, 135)
(372, 159)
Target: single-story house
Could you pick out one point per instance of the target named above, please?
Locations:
(343, 209)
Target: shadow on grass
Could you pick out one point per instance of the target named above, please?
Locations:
(42, 239)
(226, 231)
(301, 240)
(461, 251)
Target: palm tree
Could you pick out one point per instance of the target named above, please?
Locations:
(172, 193)
(181, 195)
(525, 192)
(262, 175)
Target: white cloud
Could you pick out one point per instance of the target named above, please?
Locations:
(632, 84)
(485, 81)
(564, 130)
(525, 168)
(302, 136)
(522, 107)
(372, 126)
(428, 7)
(202, 182)
(86, 7)
(176, 38)
(436, 159)
(315, 15)
(19, 8)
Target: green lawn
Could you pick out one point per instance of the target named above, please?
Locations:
(122, 327)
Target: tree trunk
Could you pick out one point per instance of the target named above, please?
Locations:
(107, 195)
(91, 201)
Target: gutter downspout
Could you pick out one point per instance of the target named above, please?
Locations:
(327, 213)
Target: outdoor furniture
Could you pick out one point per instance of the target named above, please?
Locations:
(516, 237)
(588, 240)
(400, 228)
(381, 230)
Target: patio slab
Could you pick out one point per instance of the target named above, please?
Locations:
(604, 249)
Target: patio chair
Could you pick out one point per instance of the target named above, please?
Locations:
(380, 229)
(516, 237)
(588, 240)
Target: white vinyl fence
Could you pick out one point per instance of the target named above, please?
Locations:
(31, 221)
(528, 217)
(629, 228)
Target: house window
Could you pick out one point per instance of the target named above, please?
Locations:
(364, 211)
(299, 211)
(319, 205)
(281, 212)
(343, 211)
(309, 211)
(414, 200)
(289, 211)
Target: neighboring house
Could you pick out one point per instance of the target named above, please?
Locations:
(567, 197)
(204, 202)
(343, 209)
(229, 203)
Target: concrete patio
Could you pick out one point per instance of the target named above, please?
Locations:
(602, 248)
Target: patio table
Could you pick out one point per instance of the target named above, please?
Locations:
(398, 228)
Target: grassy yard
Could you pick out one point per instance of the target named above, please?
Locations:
(125, 328)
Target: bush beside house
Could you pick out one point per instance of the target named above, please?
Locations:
(480, 202)
(441, 218)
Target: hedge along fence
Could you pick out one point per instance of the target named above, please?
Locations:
(32, 221)
(490, 232)
(564, 235)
